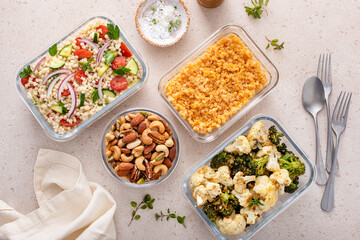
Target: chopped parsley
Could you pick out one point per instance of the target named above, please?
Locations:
(26, 72)
(113, 31)
(121, 71)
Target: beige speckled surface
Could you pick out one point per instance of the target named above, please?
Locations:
(307, 27)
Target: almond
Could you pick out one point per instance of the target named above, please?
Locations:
(137, 120)
(123, 173)
(125, 150)
(129, 138)
(167, 163)
(142, 127)
(172, 153)
(125, 166)
(149, 148)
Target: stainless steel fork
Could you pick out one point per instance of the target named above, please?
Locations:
(324, 74)
(339, 120)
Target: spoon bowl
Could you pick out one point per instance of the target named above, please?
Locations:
(313, 99)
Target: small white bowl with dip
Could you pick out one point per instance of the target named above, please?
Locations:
(162, 23)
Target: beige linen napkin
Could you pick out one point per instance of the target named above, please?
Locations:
(70, 207)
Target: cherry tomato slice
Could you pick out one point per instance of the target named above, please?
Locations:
(79, 75)
(66, 92)
(125, 50)
(118, 83)
(104, 30)
(24, 81)
(83, 53)
(65, 123)
(118, 62)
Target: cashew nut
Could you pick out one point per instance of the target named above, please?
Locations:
(138, 151)
(139, 163)
(166, 135)
(120, 143)
(133, 144)
(169, 143)
(122, 120)
(125, 126)
(116, 152)
(162, 148)
(127, 118)
(126, 158)
(161, 168)
(145, 138)
(108, 153)
(109, 137)
(158, 125)
(153, 118)
(131, 115)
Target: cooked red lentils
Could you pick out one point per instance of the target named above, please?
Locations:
(215, 86)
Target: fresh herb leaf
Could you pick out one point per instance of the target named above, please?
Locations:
(133, 204)
(177, 21)
(255, 202)
(275, 44)
(171, 26)
(257, 9)
(86, 65)
(26, 72)
(82, 99)
(95, 95)
(154, 21)
(53, 50)
(121, 71)
(137, 217)
(154, 8)
(180, 220)
(96, 38)
(147, 198)
(64, 109)
(113, 31)
(109, 57)
(145, 203)
(144, 206)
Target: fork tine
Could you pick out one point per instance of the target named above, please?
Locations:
(318, 70)
(326, 73)
(347, 109)
(338, 115)
(336, 109)
(343, 107)
(329, 73)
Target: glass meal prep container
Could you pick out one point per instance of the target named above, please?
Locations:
(125, 181)
(272, 76)
(48, 128)
(283, 200)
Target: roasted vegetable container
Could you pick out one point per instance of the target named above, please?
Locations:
(283, 201)
(48, 128)
(271, 74)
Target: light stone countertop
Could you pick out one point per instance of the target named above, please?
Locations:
(308, 29)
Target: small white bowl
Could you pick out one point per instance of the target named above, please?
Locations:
(180, 33)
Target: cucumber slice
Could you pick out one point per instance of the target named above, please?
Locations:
(56, 63)
(66, 51)
(82, 99)
(96, 38)
(102, 70)
(133, 66)
(109, 93)
(57, 108)
(133, 83)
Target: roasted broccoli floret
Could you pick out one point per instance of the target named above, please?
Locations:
(222, 159)
(228, 204)
(274, 135)
(241, 164)
(293, 186)
(293, 164)
(209, 210)
(258, 165)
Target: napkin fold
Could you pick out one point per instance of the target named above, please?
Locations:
(70, 207)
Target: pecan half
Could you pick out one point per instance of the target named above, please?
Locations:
(157, 137)
(148, 170)
(134, 175)
(167, 127)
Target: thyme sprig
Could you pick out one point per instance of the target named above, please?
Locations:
(147, 202)
(180, 220)
(275, 44)
(257, 9)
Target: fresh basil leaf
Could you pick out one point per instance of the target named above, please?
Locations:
(95, 95)
(25, 72)
(109, 57)
(121, 71)
(53, 50)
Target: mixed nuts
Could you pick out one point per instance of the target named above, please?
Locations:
(140, 147)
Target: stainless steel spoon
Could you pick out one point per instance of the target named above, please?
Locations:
(313, 100)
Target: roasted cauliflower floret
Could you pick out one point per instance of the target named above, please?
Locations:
(243, 197)
(213, 190)
(266, 189)
(282, 179)
(203, 175)
(257, 134)
(251, 214)
(241, 146)
(200, 195)
(223, 174)
(231, 225)
(271, 151)
(240, 181)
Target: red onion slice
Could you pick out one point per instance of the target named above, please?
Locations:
(73, 99)
(62, 84)
(99, 88)
(101, 52)
(39, 63)
(87, 41)
(55, 72)
(51, 86)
